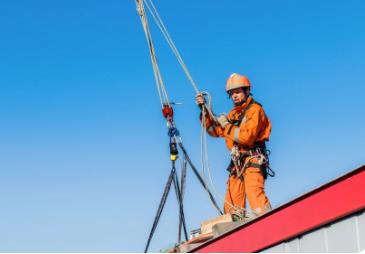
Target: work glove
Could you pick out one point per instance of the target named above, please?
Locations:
(199, 99)
(222, 120)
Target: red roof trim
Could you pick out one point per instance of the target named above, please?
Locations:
(334, 200)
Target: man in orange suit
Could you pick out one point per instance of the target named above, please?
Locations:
(246, 129)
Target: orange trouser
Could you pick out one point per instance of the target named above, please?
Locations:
(252, 186)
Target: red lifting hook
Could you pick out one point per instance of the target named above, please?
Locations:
(168, 112)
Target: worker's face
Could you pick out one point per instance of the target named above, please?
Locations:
(238, 96)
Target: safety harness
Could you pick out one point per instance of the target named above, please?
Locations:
(240, 161)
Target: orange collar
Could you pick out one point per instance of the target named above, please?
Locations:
(244, 105)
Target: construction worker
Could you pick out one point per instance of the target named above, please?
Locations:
(245, 129)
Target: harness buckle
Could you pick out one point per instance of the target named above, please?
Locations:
(242, 160)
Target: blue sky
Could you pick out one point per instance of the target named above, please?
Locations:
(84, 151)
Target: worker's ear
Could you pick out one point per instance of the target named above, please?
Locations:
(247, 90)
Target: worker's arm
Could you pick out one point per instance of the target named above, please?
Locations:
(213, 129)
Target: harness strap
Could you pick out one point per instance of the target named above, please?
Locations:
(264, 166)
(259, 147)
(241, 116)
(249, 165)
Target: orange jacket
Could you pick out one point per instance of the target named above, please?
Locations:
(255, 126)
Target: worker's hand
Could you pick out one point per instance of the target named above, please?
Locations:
(222, 120)
(199, 99)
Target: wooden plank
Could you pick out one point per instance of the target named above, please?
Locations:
(206, 226)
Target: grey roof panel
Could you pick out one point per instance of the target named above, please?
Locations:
(276, 249)
(345, 235)
(361, 231)
(342, 236)
(292, 246)
(313, 242)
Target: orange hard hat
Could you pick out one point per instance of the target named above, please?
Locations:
(236, 80)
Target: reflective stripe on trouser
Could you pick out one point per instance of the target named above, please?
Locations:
(252, 186)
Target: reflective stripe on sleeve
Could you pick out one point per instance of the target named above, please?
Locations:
(210, 128)
(243, 120)
(236, 134)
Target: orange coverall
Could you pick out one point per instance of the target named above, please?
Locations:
(255, 127)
